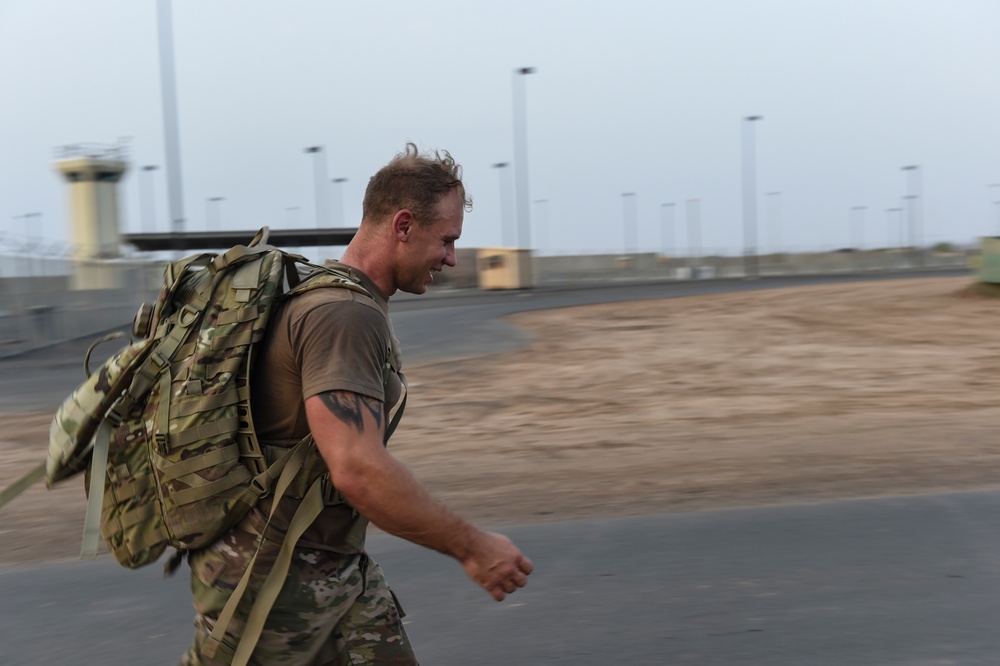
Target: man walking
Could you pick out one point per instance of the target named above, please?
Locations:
(329, 366)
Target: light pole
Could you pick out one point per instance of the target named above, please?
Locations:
(889, 225)
(749, 198)
(171, 132)
(909, 203)
(857, 228)
(218, 212)
(506, 230)
(667, 228)
(146, 205)
(630, 222)
(521, 156)
(913, 195)
(692, 209)
(319, 173)
(774, 218)
(339, 200)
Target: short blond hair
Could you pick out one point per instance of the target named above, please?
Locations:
(416, 181)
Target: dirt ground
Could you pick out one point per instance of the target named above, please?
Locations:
(778, 396)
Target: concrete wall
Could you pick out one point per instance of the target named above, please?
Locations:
(40, 311)
(650, 266)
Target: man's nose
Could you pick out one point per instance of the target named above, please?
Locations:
(449, 257)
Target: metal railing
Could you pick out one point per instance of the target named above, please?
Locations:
(94, 151)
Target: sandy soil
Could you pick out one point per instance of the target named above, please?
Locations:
(791, 395)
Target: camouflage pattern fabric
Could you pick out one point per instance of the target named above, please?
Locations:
(333, 609)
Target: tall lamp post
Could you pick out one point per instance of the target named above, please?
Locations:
(521, 156)
(667, 228)
(213, 221)
(146, 204)
(168, 94)
(898, 224)
(909, 203)
(506, 230)
(338, 201)
(914, 206)
(749, 198)
(692, 209)
(319, 173)
(774, 221)
(630, 226)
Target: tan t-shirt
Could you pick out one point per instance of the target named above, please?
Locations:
(325, 339)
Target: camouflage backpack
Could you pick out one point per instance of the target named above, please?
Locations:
(163, 429)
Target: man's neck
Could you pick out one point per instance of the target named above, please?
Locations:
(368, 263)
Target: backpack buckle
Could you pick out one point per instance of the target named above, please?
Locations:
(257, 490)
(187, 316)
(162, 443)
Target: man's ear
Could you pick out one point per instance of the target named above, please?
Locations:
(402, 225)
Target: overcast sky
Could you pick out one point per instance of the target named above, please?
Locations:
(629, 96)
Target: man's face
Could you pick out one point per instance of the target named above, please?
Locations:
(431, 245)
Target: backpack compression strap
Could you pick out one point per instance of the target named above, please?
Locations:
(34, 475)
(308, 510)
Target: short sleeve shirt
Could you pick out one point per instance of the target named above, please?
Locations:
(324, 339)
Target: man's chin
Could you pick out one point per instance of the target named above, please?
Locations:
(415, 289)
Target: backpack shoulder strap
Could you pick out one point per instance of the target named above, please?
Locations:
(328, 276)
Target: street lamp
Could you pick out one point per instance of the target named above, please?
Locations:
(146, 205)
(914, 205)
(521, 155)
(630, 225)
(506, 230)
(319, 174)
(168, 97)
(749, 198)
(218, 212)
(667, 228)
(889, 225)
(692, 209)
(909, 202)
(774, 219)
(339, 200)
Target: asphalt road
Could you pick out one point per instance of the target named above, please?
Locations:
(890, 581)
(909, 581)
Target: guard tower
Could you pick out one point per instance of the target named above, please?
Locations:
(93, 172)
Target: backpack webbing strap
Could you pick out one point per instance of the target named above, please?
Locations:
(238, 253)
(309, 509)
(95, 500)
(290, 464)
(31, 478)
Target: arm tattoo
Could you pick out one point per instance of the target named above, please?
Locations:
(349, 407)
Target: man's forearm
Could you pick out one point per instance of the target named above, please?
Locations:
(383, 490)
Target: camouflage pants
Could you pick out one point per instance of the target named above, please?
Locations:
(333, 609)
